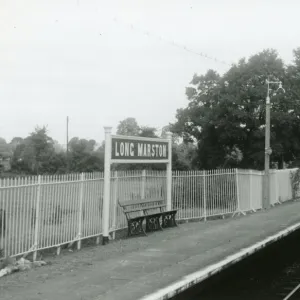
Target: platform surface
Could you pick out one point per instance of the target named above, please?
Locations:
(130, 269)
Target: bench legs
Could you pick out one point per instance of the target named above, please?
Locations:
(135, 226)
(168, 219)
(153, 222)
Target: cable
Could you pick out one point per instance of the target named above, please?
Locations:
(172, 43)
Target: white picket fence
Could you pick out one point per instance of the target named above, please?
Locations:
(42, 212)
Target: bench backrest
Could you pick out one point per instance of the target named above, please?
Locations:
(136, 208)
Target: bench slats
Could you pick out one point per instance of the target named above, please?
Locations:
(126, 210)
(153, 207)
(132, 210)
(139, 202)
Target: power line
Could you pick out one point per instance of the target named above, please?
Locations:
(171, 42)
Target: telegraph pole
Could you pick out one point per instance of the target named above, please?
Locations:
(268, 150)
(68, 163)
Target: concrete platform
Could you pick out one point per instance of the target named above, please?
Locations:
(151, 267)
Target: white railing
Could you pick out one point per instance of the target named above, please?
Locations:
(42, 212)
(201, 194)
(47, 211)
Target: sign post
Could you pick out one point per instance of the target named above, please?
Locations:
(106, 196)
(131, 149)
(169, 173)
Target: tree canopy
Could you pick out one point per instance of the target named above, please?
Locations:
(129, 127)
(5, 149)
(225, 115)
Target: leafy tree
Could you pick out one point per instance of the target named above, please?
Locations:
(293, 75)
(175, 136)
(146, 131)
(34, 153)
(57, 164)
(58, 148)
(5, 149)
(183, 156)
(15, 142)
(183, 153)
(129, 127)
(83, 158)
(81, 145)
(226, 115)
(292, 84)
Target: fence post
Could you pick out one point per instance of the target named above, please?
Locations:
(277, 187)
(169, 173)
(251, 190)
(115, 204)
(143, 187)
(37, 218)
(238, 210)
(107, 178)
(204, 194)
(80, 211)
(237, 189)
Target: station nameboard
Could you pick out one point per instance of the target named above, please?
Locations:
(139, 149)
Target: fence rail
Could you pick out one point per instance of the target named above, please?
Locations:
(42, 212)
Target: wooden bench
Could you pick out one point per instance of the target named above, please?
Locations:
(152, 210)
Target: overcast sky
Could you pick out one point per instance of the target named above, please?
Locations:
(83, 59)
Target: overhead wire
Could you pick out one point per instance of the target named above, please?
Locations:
(171, 42)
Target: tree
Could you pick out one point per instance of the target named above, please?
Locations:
(34, 154)
(83, 157)
(129, 127)
(15, 142)
(183, 152)
(5, 149)
(58, 148)
(184, 155)
(81, 145)
(293, 80)
(226, 115)
(175, 136)
(146, 131)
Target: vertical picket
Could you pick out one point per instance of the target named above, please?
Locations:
(37, 219)
(238, 192)
(204, 195)
(143, 184)
(80, 211)
(115, 205)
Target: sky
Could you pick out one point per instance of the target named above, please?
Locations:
(99, 62)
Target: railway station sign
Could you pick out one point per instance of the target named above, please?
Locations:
(121, 149)
(137, 149)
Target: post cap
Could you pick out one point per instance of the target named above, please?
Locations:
(169, 134)
(107, 129)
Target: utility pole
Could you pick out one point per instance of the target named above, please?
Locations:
(68, 161)
(268, 151)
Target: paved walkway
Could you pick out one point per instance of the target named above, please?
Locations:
(132, 268)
